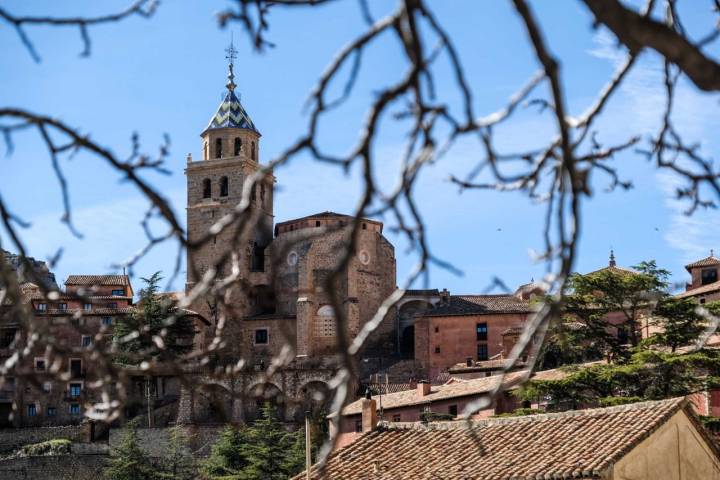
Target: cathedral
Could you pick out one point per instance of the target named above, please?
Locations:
(280, 305)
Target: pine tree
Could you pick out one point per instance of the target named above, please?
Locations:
(129, 461)
(226, 459)
(179, 463)
(157, 316)
(267, 448)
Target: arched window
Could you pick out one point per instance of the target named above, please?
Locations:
(238, 146)
(224, 187)
(252, 150)
(205, 151)
(218, 148)
(207, 188)
(325, 322)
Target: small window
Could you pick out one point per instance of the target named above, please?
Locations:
(358, 426)
(437, 349)
(261, 336)
(702, 300)
(482, 350)
(207, 188)
(118, 293)
(31, 410)
(364, 226)
(396, 418)
(51, 411)
(74, 409)
(252, 150)
(86, 340)
(47, 386)
(224, 186)
(237, 146)
(218, 148)
(107, 321)
(709, 275)
(317, 223)
(42, 307)
(481, 330)
(75, 389)
(437, 329)
(40, 364)
(62, 306)
(87, 306)
(452, 410)
(76, 367)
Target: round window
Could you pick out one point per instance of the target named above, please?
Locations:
(364, 257)
(292, 258)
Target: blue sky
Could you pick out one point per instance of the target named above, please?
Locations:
(167, 74)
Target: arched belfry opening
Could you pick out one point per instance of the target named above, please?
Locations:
(224, 186)
(207, 188)
(237, 146)
(218, 148)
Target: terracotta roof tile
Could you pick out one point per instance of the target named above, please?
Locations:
(575, 444)
(709, 288)
(480, 305)
(458, 388)
(98, 280)
(705, 262)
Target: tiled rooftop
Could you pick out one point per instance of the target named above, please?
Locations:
(458, 388)
(104, 280)
(705, 262)
(480, 305)
(705, 289)
(575, 444)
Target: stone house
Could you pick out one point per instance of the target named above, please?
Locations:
(641, 441)
(79, 320)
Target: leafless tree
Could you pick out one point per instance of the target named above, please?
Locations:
(556, 174)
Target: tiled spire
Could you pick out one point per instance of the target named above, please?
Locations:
(230, 113)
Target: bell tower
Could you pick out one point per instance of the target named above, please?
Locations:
(215, 187)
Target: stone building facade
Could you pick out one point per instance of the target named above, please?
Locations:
(79, 320)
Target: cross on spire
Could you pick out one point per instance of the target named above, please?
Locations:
(231, 56)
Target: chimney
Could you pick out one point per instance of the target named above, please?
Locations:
(445, 296)
(423, 388)
(369, 413)
(469, 361)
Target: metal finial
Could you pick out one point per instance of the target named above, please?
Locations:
(231, 56)
(612, 258)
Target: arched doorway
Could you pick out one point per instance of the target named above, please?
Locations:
(407, 342)
(259, 395)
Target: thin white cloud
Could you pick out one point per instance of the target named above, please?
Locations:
(641, 104)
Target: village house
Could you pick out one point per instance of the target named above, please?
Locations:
(429, 402)
(704, 280)
(640, 441)
(439, 330)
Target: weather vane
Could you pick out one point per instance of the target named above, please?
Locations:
(231, 51)
(231, 56)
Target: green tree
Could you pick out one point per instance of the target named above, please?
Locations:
(261, 451)
(226, 458)
(129, 461)
(155, 327)
(179, 463)
(680, 322)
(623, 294)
